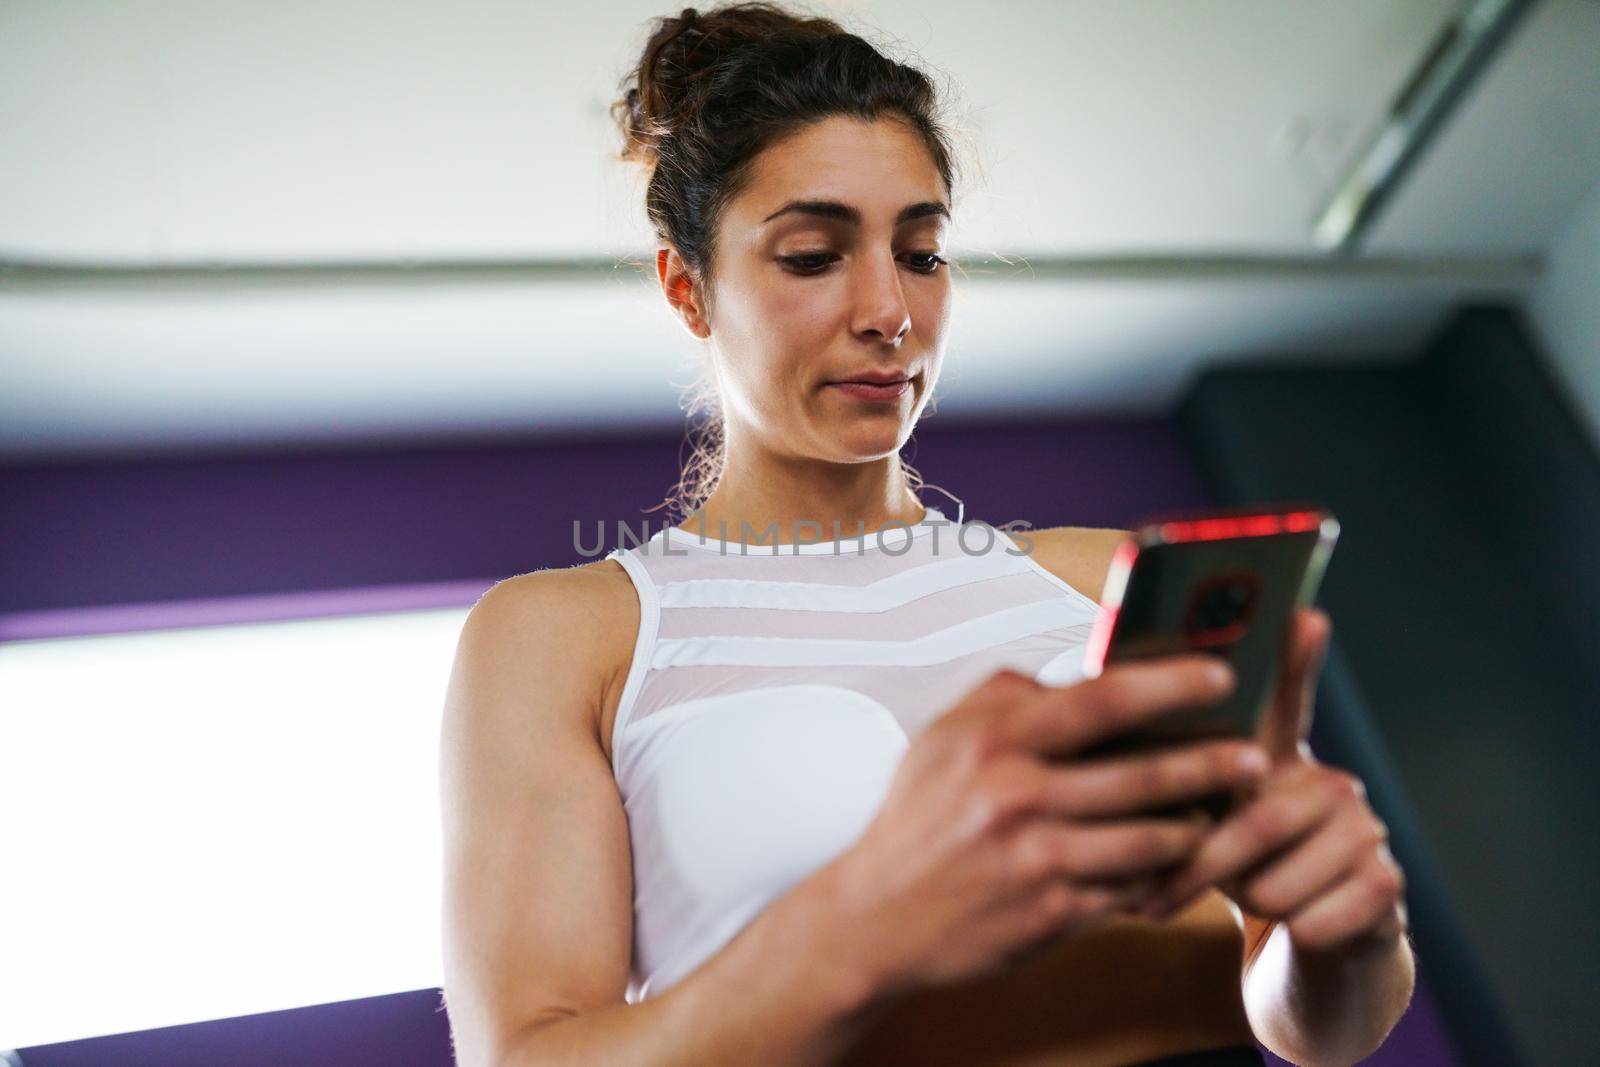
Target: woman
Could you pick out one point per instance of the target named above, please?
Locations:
(770, 797)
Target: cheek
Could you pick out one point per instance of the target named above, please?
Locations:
(930, 313)
(761, 302)
(762, 374)
(801, 312)
(773, 344)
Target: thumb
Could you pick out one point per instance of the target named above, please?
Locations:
(1287, 721)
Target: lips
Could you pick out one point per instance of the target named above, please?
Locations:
(871, 390)
(884, 377)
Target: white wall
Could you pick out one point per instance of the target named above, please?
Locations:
(182, 130)
(228, 131)
(1565, 309)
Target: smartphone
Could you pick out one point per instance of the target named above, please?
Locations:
(1224, 581)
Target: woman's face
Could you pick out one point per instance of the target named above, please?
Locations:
(830, 265)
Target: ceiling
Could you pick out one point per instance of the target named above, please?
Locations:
(1106, 145)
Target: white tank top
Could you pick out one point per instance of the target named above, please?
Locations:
(773, 690)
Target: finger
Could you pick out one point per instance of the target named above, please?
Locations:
(1288, 718)
(1368, 903)
(1059, 905)
(1128, 848)
(1097, 893)
(1116, 894)
(1000, 690)
(1327, 855)
(1065, 719)
(1126, 785)
(1271, 822)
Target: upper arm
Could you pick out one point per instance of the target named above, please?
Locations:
(1078, 555)
(537, 901)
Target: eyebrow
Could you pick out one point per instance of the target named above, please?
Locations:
(833, 209)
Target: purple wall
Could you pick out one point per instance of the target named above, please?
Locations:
(160, 542)
(104, 533)
(403, 1030)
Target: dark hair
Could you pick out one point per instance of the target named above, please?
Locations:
(714, 88)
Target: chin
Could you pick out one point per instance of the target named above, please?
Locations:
(862, 447)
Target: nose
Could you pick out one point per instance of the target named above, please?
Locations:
(880, 310)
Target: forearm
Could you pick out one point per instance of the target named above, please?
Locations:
(1332, 1008)
(776, 995)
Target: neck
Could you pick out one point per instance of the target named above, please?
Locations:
(782, 501)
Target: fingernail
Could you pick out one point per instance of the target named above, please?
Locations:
(1252, 760)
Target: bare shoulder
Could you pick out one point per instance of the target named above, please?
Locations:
(582, 619)
(1078, 555)
(593, 594)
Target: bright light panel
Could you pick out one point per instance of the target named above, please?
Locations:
(202, 823)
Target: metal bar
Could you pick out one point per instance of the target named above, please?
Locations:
(1457, 57)
(1508, 271)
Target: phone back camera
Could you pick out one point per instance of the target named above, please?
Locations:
(1220, 609)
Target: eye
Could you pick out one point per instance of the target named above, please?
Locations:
(818, 262)
(808, 262)
(929, 263)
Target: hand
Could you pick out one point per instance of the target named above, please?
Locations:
(995, 836)
(1306, 850)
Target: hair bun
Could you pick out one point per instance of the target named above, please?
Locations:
(661, 96)
(668, 86)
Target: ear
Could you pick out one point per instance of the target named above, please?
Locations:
(683, 293)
